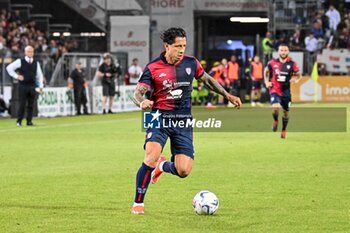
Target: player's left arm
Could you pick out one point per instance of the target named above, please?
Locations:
(296, 74)
(213, 85)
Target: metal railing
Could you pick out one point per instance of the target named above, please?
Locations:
(287, 14)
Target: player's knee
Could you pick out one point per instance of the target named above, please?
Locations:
(276, 107)
(151, 160)
(183, 172)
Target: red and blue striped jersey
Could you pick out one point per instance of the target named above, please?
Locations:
(171, 84)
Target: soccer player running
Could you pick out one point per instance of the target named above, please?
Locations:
(284, 71)
(169, 77)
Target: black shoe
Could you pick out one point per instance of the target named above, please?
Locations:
(104, 111)
(78, 113)
(86, 113)
(18, 123)
(110, 112)
(30, 123)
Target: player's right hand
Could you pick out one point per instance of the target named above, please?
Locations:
(108, 74)
(236, 101)
(146, 104)
(268, 84)
(20, 77)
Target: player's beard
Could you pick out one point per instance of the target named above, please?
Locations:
(283, 57)
(177, 58)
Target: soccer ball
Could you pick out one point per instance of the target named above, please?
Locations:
(205, 203)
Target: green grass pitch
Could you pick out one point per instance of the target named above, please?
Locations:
(77, 174)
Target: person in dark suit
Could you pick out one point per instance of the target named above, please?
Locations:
(78, 78)
(30, 76)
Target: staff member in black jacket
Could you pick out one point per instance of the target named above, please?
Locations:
(78, 78)
(29, 75)
(107, 72)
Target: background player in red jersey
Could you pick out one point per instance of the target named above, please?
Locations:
(169, 77)
(284, 71)
(256, 74)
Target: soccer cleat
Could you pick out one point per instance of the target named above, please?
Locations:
(284, 134)
(30, 123)
(210, 105)
(19, 123)
(138, 209)
(274, 126)
(157, 172)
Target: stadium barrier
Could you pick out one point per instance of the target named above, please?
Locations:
(335, 60)
(325, 89)
(59, 101)
(122, 101)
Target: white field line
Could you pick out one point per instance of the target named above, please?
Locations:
(25, 128)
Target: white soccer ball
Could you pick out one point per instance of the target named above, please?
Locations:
(205, 203)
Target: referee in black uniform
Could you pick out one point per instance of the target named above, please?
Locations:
(30, 76)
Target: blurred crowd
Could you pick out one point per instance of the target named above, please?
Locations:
(16, 34)
(329, 29)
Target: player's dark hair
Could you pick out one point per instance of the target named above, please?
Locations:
(284, 45)
(170, 35)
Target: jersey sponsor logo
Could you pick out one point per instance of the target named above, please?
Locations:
(188, 70)
(281, 75)
(288, 67)
(281, 78)
(182, 84)
(162, 75)
(175, 94)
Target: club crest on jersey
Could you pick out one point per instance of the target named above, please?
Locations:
(288, 67)
(188, 70)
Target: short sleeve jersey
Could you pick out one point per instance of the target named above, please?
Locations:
(171, 84)
(281, 75)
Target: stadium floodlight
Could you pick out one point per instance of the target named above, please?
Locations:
(66, 34)
(93, 34)
(56, 34)
(249, 19)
